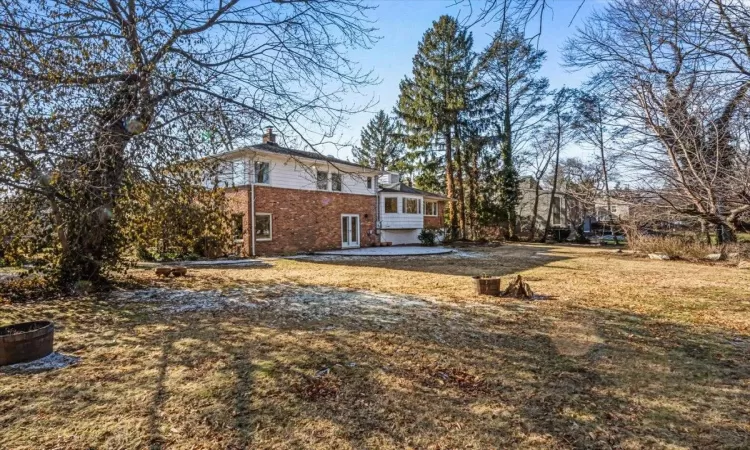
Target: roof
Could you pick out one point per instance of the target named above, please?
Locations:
(406, 189)
(274, 148)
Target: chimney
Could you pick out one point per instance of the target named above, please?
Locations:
(269, 137)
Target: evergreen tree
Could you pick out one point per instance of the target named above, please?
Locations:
(509, 65)
(380, 146)
(431, 101)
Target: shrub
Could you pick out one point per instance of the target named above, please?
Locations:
(683, 247)
(27, 288)
(428, 237)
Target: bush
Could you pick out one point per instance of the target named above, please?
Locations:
(27, 288)
(144, 254)
(428, 237)
(683, 247)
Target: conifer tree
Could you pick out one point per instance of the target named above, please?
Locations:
(433, 98)
(510, 64)
(380, 146)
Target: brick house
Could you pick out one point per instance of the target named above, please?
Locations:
(287, 201)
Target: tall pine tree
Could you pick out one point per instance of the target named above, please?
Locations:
(380, 145)
(510, 64)
(432, 100)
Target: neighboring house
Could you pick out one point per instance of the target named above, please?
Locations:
(567, 211)
(287, 201)
(604, 218)
(618, 210)
(560, 218)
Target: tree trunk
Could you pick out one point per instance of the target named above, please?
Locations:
(604, 169)
(460, 189)
(510, 207)
(90, 230)
(473, 186)
(449, 186)
(532, 227)
(558, 144)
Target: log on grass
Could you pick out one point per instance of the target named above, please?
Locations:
(519, 289)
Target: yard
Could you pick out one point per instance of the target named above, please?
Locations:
(330, 352)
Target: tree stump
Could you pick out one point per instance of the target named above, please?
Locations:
(519, 289)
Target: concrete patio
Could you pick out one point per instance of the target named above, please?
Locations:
(407, 250)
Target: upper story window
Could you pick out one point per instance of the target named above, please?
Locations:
(430, 208)
(232, 173)
(369, 182)
(322, 180)
(336, 182)
(391, 205)
(412, 206)
(262, 171)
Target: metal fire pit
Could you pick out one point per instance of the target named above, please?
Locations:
(24, 342)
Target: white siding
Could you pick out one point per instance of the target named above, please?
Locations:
(292, 173)
(390, 178)
(399, 220)
(400, 237)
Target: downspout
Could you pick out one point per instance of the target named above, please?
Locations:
(252, 218)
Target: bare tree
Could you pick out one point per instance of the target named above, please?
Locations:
(509, 66)
(539, 157)
(94, 94)
(594, 126)
(680, 71)
(560, 132)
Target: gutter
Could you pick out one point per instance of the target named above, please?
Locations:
(252, 218)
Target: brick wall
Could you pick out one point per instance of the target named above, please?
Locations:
(436, 221)
(239, 203)
(303, 221)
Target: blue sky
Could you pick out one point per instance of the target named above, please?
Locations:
(401, 24)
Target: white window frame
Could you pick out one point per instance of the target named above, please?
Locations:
(419, 205)
(255, 171)
(341, 181)
(431, 202)
(328, 180)
(225, 174)
(385, 211)
(369, 183)
(270, 227)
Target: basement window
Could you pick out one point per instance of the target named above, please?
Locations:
(263, 225)
(322, 180)
(391, 205)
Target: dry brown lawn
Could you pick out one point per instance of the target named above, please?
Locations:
(398, 353)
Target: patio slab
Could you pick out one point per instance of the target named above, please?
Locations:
(406, 250)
